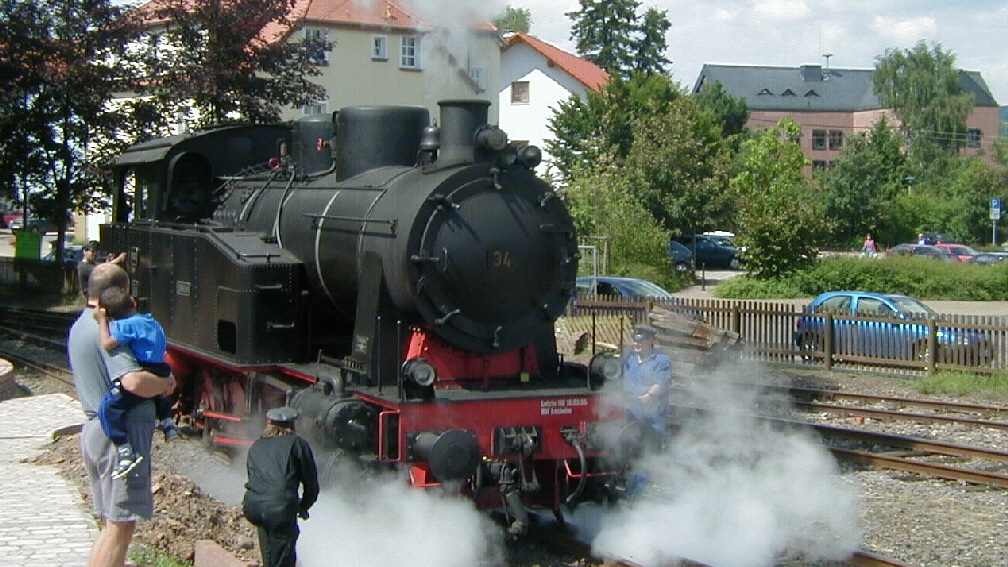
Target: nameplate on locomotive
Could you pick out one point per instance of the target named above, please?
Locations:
(561, 406)
(182, 288)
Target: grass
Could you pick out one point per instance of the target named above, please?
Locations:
(146, 556)
(992, 387)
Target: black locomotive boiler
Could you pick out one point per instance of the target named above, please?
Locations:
(397, 281)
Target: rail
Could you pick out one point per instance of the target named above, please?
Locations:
(769, 331)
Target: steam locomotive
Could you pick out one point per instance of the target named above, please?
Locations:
(395, 280)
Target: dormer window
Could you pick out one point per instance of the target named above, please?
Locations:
(765, 91)
(811, 92)
(788, 92)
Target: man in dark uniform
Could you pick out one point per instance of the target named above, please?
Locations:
(278, 463)
(89, 261)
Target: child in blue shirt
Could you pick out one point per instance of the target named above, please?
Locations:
(119, 324)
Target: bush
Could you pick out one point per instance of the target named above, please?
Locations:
(917, 277)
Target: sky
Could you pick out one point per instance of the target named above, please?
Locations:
(800, 32)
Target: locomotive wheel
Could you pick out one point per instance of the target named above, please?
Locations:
(210, 428)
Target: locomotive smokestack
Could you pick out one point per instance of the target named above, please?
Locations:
(460, 120)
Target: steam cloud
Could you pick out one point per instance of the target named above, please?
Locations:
(369, 521)
(732, 491)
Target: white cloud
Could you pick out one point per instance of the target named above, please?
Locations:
(905, 32)
(780, 10)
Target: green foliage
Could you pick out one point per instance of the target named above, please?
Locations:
(922, 86)
(602, 31)
(607, 33)
(922, 278)
(866, 177)
(678, 167)
(968, 192)
(603, 124)
(992, 387)
(60, 75)
(602, 205)
(746, 287)
(780, 218)
(649, 46)
(147, 556)
(514, 20)
(957, 206)
(732, 112)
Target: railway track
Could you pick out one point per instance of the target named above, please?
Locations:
(37, 322)
(915, 454)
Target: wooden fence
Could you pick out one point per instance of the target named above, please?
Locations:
(767, 330)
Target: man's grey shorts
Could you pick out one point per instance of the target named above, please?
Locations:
(126, 499)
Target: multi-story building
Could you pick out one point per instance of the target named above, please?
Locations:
(389, 52)
(832, 104)
(386, 52)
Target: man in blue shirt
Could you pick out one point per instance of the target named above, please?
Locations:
(646, 377)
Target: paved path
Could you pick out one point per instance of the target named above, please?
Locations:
(43, 521)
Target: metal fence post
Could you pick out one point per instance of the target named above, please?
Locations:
(932, 347)
(828, 347)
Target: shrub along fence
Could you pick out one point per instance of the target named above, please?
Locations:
(779, 332)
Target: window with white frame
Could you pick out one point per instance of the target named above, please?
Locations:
(409, 52)
(379, 47)
(320, 35)
(476, 74)
(520, 92)
(316, 108)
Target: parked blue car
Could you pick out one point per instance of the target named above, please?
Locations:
(895, 326)
(619, 287)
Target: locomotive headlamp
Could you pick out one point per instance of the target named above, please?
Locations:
(491, 138)
(530, 156)
(419, 371)
(604, 367)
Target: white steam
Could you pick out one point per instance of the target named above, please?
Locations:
(371, 522)
(731, 491)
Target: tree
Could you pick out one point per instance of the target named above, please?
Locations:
(602, 204)
(649, 49)
(514, 20)
(603, 123)
(603, 31)
(867, 175)
(732, 112)
(223, 59)
(922, 86)
(63, 73)
(780, 220)
(678, 167)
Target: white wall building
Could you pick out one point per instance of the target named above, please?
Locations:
(534, 78)
(388, 53)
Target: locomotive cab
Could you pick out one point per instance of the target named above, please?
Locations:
(176, 179)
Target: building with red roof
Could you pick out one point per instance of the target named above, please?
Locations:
(390, 52)
(535, 77)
